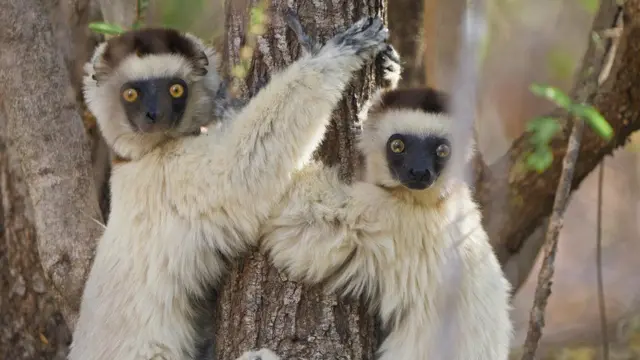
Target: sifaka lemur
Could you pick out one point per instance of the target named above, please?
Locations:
(407, 236)
(185, 203)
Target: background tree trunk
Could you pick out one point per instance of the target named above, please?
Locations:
(258, 306)
(31, 325)
(407, 36)
(45, 129)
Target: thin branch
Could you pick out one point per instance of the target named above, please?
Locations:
(543, 290)
(531, 195)
(585, 93)
(606, 70)
(601, 303)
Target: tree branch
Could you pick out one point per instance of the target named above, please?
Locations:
(530, 195)
(543, 290)
(44, 127)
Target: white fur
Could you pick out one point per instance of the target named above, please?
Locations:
(183, 202)
(422, 258)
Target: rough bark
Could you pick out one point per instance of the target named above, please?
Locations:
(31, 326)
(512, 224)
(45, 129)
(259, 306)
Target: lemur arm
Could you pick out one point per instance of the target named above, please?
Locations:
(316, 232)
(278, 129)
(321, 232)
(282, 125)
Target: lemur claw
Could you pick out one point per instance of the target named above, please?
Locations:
(391, 67)
(366, 37)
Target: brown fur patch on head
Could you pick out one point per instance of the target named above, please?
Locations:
(425, 99)
(153, 41)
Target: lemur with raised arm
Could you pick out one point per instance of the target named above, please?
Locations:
(184, 203)
(407, 236)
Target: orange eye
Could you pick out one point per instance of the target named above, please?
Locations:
(176, 90)
(130, 95)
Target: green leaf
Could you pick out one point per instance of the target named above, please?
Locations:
(552, 93)
(106, 28)
(590, 5)
(594, 119)
(543, 129)
(540, 159)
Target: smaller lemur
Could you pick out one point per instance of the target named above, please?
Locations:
(408, 236)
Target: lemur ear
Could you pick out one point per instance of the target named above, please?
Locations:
(97, 67)
(204, 55)
(200, 64)
(101, 70)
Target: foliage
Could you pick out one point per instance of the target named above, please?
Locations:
(106, 28)
(544, 128)
(257, 26)
(173, 14)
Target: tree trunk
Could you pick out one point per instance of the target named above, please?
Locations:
(45, 129)
(441, 26)
(31, 325)
(407, 36)
(260, 307)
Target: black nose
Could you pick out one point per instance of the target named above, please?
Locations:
(152, 116)
(420, 174)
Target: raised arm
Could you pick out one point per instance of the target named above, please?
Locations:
(283, 124)
(321, 232)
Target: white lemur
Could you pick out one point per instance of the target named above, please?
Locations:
(408, 236)
(184, 202)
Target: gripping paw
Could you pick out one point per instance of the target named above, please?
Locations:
(262, 354)
(366, 38)
(391, 67)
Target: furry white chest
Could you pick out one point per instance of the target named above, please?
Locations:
(165, 260)
(430, 278)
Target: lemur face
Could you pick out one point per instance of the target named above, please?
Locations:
(406, 139)
(148, 85)
(416, 161)
(156, 104)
